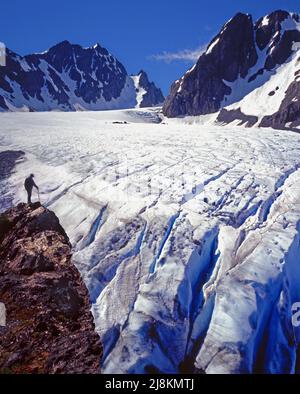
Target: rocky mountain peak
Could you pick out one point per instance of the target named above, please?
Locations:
(148, 95)
(97, 46)
(269, 26)
(143, 79)
(62, 44)
(239, 60)
(232, 51)
(66, 77)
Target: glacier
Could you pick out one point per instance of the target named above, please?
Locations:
(186, 235)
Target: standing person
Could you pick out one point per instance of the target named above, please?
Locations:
(29, 184)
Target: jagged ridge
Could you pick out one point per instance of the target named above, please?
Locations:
(67, 77)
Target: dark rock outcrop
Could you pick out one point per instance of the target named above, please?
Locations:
(228, 116)
(265, 31)
(49, 327)
(268, 32)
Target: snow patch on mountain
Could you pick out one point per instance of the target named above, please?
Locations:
(139, 89)
(212, 45)
(147, 94)
(264, 95)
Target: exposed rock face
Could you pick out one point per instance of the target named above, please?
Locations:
(265, 31)
(67, 77)
(49, 327)
(148, 95)
(269, 33)
(201, 90)
(226, 116)
(241, 59)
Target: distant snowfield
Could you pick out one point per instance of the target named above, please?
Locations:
(187, 236)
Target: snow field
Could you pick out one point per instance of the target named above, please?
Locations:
(185, 235)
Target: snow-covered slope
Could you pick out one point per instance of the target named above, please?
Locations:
(249, 71)
(67, 78)
(187, 237)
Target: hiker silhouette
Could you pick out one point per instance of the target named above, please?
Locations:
(29, 184)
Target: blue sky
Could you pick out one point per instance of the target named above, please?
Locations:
(133, 30)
